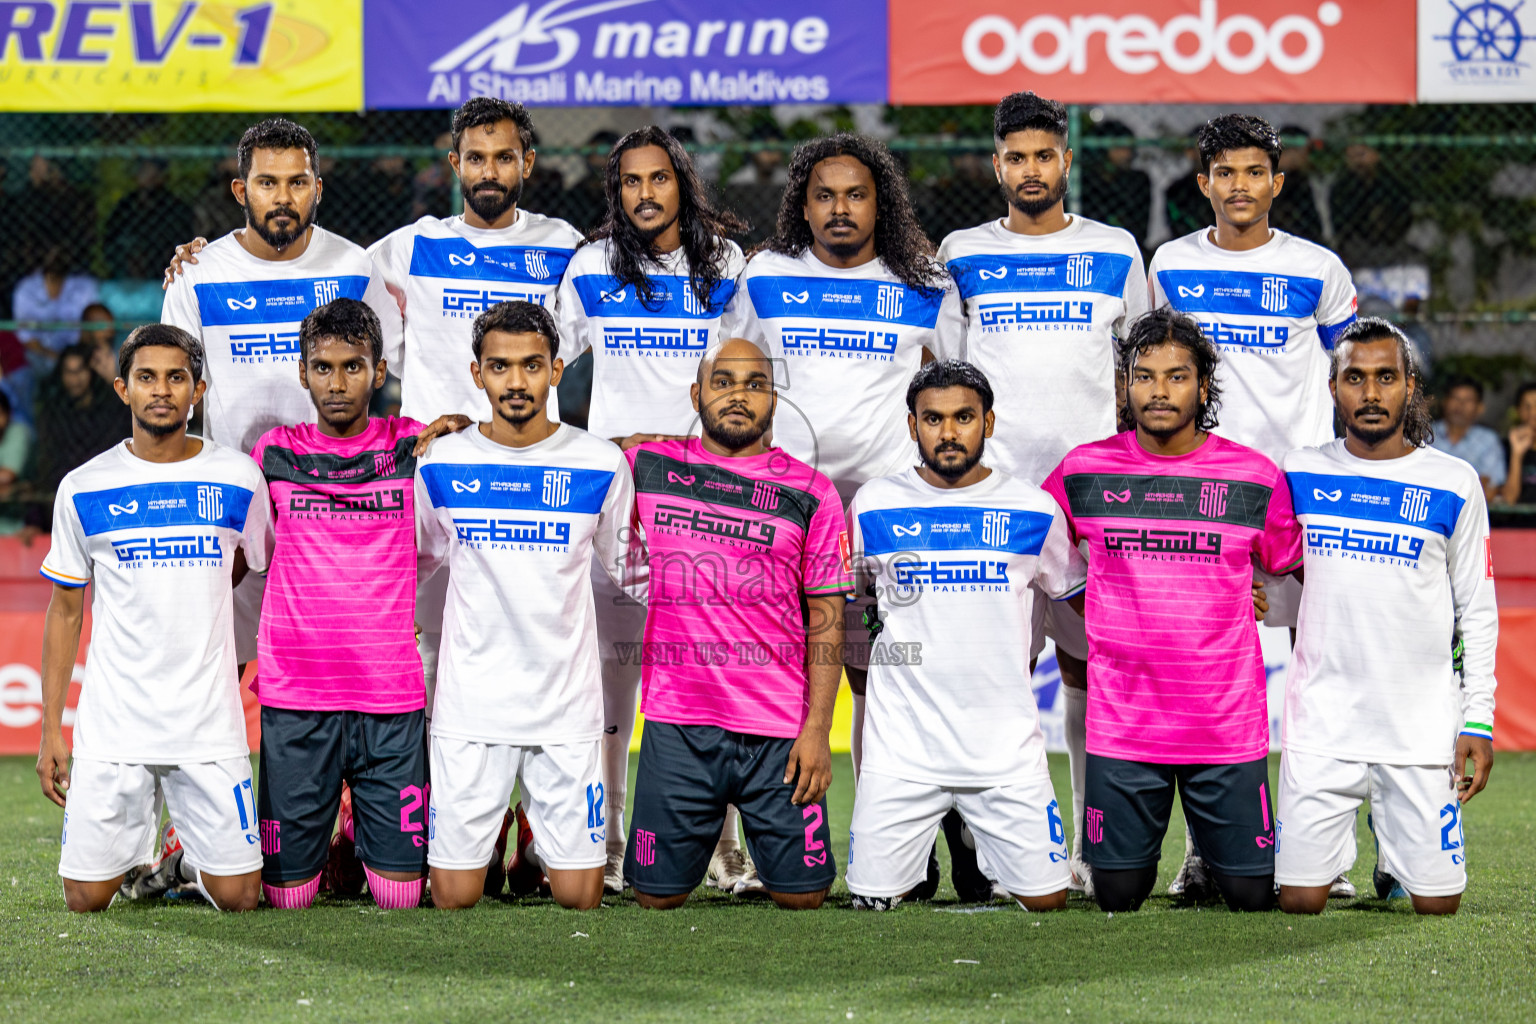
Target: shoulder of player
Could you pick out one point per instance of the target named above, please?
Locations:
(966, 241)
(334, 247)
(454, 447)
(1177, 248)
(557, 232)
(1307, 251)
(1107, 237)
(83, 477)
(405, 235)
(1240, 456)
(233, 465)
(1449, 471)
(766, 263)
(591, 257)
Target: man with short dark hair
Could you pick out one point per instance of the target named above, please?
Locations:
(1175, 517)
(1046, 294)
(517, 508)
(162, 525)
(1375, 706)
(341, 694)
(1459, 433)
(245, 294)
(957, 553)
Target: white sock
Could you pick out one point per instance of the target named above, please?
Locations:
(728, 840)
(1075, 730)
(856, 735)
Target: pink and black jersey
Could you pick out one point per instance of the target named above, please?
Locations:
(338, 629)
(733, 543)
(1177, 674)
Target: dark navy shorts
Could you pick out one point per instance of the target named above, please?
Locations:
(305, 757)
(686, 777)
(1230, 809)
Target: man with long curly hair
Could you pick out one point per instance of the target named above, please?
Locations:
(1374, 707)
(848, 293)
(645, 297)
(1046, 294)
(1175, 517)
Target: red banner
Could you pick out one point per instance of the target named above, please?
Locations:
(1154, 51)
(21, 685)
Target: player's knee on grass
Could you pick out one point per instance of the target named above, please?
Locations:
(650, 902)
(1304, 899)
(1050, 901)
(799, 900)
(579, 889)
(1248, 893)
(235, 893)
(456, 890)
(90, 897)
(1436, 905)
(1119, 891)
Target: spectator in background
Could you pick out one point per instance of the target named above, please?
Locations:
(1371, 211)
(584, 202)
(15, 380)
(1115, 192)
(50, 210)
(146, 225)
(1295, 209)
(101, 339)
(79, 416)
(1520, 479)
(1459, 433)
(52, 292)
(963, 198)
(433, 188)
(215, 212)
(15, 449)
(1188, 208)
(755, 189)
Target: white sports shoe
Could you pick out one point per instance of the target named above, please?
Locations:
(1082, 878)
(613, 873)
(727, 869)
(750, 884)
(1193, 880)
(1342, 889)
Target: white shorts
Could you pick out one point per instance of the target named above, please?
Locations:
(112, 815)
(1064, 626)
(1018, 832)
(1414, 812)
(248, 597)
(1284, 596)
(562, 795)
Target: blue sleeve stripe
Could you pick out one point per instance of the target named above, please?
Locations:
(1328, 334)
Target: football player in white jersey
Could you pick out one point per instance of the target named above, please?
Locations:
(1373, 707)
(520, 506)
(958, 553)
(1273, 304)
(162, 524)
(847, 294)
(645, 298)
(1046, 294)
(246, 294)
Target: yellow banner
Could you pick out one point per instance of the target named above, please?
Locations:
(171, 55)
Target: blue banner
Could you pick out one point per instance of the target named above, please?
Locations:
(624, 52)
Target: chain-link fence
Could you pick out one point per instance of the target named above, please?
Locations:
(1433, 208)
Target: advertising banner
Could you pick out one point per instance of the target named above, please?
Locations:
(175, 55)
(625, 52)
(1476, 51)
(1153, 51)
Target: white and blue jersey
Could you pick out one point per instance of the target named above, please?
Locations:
(1397, 563)
(158, 540)
(1041, 316)
(442, 274)
(247, 310)
(518, 529)
(847, 343)
(1274, 313)
(645, 353)
(949, 700)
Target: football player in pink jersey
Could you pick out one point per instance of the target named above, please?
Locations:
(1176, 517)
(341, 694)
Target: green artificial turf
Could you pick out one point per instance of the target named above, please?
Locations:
(724, 959)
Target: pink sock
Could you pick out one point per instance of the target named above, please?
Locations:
(391, 895)
(295, 898)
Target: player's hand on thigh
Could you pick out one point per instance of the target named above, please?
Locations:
(1479, 750)
(811, 759)
(1260, 601)
(53, 767)
(185, 253)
